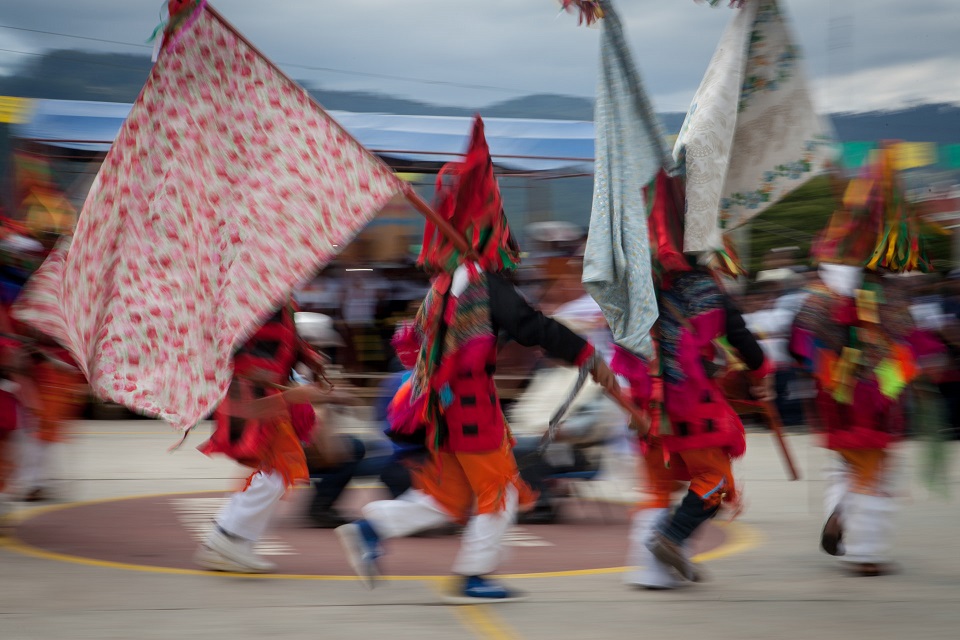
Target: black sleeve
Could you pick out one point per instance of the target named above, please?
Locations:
(740, 337)
(524, 324)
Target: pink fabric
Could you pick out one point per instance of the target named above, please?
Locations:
(925, 344)
(635, 371)
(225, 187)
(406, 343)
(872, 421)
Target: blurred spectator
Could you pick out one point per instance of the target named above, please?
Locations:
(332, 458)
(771, 322)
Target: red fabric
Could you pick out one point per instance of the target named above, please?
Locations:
(468, 196)
(766, 369)
(474, 419)
(8, 412)
(248, 448)
(666, 223)
(584, 355)
(407, 343)
(709, 422)
(303, 418)
(282, 331)
(872, 421)
(254, 442)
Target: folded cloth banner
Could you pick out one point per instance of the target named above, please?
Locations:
(854, 155)
(751, 135)
(950, 156)
(226, 186)
(910, 155)
(630, 149)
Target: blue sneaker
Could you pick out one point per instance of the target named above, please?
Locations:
(478, 590)
(362, 545)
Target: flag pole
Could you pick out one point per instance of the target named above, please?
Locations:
(443, 225)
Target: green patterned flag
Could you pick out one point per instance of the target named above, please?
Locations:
(752, 134)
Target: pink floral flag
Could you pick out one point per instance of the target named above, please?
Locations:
(226, 186)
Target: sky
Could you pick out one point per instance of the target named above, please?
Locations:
(860, 54)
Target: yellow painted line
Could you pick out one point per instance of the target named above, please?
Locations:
(484, 623)
(479, 619)
(740, 537)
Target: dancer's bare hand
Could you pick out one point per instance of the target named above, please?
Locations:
(305, 394)
(641, 422)
(603, 376)
(763, 390)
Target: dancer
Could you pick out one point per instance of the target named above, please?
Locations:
(861, 364)
(62, 391)
(694, 434)
(261, 425)
(852, 335)
(471, 475)
(18, 401)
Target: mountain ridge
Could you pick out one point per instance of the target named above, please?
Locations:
(81, 75)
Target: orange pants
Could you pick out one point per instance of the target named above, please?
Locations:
(284, 454)
(660, 481)
(467, 483)
(867, 469)
(61, 399)
(708, 471)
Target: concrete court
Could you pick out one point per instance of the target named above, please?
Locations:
(767, 581)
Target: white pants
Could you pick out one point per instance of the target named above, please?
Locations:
(866, 520)
(248, 513)
(35, 458)
(645, 570)
(482, 544)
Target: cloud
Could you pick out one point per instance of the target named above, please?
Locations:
(519, 47)
(891, 86)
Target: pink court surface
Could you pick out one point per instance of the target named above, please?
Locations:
(161, 533)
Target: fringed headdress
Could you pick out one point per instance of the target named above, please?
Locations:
(875, 227)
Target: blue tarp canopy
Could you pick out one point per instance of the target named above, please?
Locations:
(517, 144)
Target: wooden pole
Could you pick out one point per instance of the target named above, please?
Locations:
(769, 411)
(443, 225)
(776, 426)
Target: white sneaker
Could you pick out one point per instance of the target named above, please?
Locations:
(239, 553)
(215, 561)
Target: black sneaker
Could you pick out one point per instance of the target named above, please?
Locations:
(832, 535)
(670, 553)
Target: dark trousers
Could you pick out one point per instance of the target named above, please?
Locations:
(790, 409)
(329, 482)
(688, 517)
(536, 470)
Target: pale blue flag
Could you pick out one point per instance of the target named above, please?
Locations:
(630, 148)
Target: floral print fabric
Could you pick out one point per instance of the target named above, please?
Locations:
(225, 188)
(751, 135)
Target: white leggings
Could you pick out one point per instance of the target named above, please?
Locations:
(482, 544)
(248, 513)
